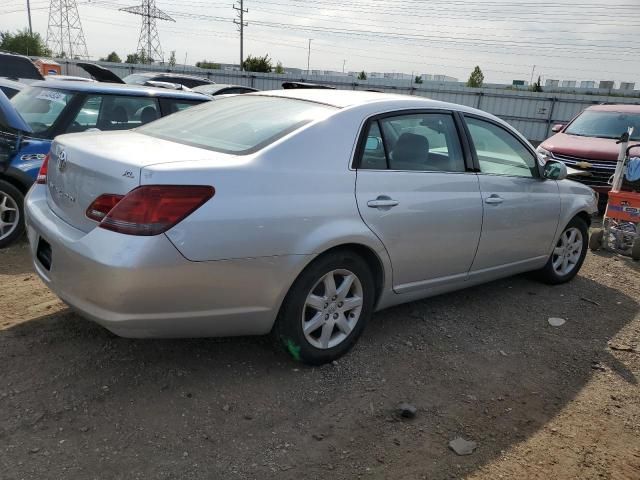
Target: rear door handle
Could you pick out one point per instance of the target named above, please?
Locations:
(494, 199)
(382, 202)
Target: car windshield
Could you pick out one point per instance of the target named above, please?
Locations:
(593, 123)
(41, 107)
(239, 124)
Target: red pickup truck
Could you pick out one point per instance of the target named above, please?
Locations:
(588, 143)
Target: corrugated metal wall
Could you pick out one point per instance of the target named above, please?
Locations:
(531, 113)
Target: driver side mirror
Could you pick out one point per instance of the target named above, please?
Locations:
(557, 127)
(554, 170)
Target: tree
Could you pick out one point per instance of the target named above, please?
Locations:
(132, 58)
(418, 79)
(258, 64)
(24, 43)
(112, 57)
(172, 58)
(536, 87)
(476, 78)
(279, 68)
(208, 64)
(362, 75)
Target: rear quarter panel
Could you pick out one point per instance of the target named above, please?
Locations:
(296, 197)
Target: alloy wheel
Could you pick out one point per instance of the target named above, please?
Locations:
(567, 253)
(9, 215)
(332, 309)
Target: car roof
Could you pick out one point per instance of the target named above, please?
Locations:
(620, 108)
(116, 88)
(170, 74)
(351, 98)
(216, 87)
(7, 82)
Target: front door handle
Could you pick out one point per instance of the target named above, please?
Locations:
(494, 199)
(382, 202)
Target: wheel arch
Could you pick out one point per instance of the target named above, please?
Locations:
(17, 178)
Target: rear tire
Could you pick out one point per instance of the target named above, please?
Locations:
(327, 308)
(595, 239)
(568, 254)
(11, 214)
(635, 249)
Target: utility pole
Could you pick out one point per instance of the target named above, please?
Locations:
(241, 24)
(309, 58)
(532, 72)
(29, 13)
(344, 62)
(64, 30)
(149, 40)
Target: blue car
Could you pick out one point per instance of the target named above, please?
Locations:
(40, 112)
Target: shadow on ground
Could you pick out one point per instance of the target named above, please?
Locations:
(482, 363)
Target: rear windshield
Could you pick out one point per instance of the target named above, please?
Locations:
(41, 107)
(591, 123)
(238, 125)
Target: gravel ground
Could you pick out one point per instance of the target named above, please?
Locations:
(482, 364)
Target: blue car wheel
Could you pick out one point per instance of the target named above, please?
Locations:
(11, 213)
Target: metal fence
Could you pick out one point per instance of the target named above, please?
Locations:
(531, 113)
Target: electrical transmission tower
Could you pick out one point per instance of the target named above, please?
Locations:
(64, 33)
(149, 42)
(241, 24)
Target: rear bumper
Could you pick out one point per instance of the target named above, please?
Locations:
(143, 287)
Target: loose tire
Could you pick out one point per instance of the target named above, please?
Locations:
(595, 239)
(327, 308)
(11, 213)
(568, 254)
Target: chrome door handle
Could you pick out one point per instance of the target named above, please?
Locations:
(382, 202)
(494, 200)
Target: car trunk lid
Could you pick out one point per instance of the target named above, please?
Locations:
(84, 166)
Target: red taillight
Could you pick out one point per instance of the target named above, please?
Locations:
(151, 209)
(102, 205)
(42, 173)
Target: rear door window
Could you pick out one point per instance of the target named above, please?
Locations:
(126, 112)
(173, 105)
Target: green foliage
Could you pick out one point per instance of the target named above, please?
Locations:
(279, 68)
(172, 58)
(362, 75)
(536, 87)
(24, 43)
(208, 64)
(418, 79)
(258, 64)
(476, 79)
(138, 57)
(112, 57)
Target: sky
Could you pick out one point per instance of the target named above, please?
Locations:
(562, 39)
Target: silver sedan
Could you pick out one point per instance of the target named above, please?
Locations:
(296, 212)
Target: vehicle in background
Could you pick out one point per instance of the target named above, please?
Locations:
(10, 87)
(305, 85)
(18, 68)
(298, 212)
(169, 85)
(52, 108)
(68, 78)
(178, 78)
(588, 143)
(223, 89)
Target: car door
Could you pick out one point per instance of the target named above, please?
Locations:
(416, 191)
(521, 209)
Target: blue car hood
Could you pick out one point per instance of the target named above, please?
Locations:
(9, 116)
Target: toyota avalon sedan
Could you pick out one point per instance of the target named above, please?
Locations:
(296, 212)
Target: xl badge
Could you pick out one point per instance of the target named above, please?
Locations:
(62, 160)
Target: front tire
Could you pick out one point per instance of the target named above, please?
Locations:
(327, 308)
(11, 214)
(568, 254)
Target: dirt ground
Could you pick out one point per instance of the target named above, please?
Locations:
(77, 402)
